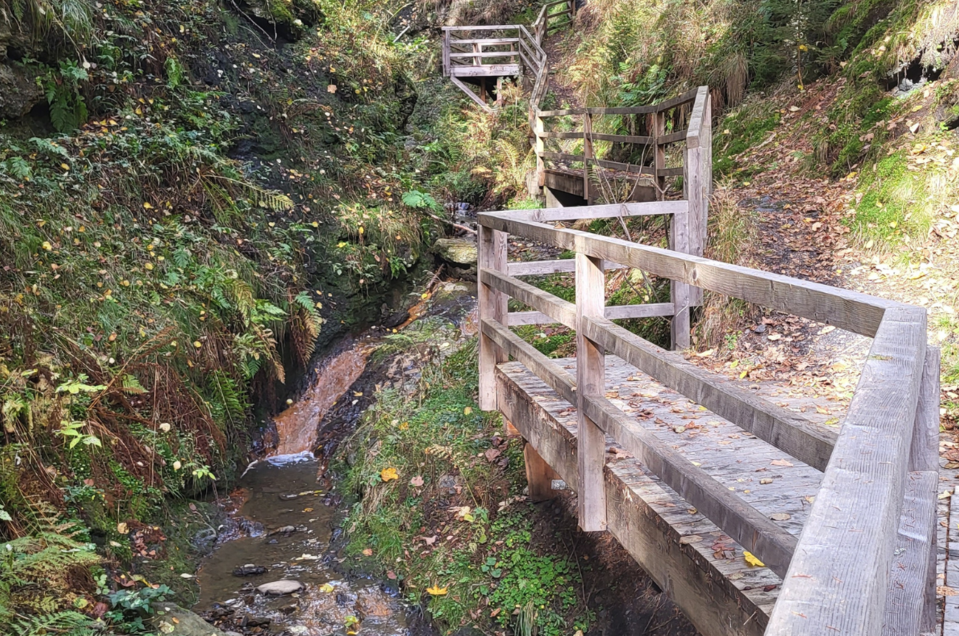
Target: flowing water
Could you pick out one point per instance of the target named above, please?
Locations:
(283, 521)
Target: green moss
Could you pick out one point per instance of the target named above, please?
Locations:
(737, 132)
(895, 201)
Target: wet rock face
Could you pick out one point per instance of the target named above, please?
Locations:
(174, 620)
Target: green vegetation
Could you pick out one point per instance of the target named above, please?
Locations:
(441, 504)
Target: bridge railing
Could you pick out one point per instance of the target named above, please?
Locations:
(837, 573)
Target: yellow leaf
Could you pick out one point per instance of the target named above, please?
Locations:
(752, 560)
(389, 474)
(436, 590)
(326, 587)
(197, 344)
(149, 266)
(147, 206)
(122, 528)
(467, 410)
(47, 246)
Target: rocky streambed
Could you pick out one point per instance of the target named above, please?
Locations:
(278, 567)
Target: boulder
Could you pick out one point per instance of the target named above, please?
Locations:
(249, 570)
(461, 252)
(280, 588)
(172, 620)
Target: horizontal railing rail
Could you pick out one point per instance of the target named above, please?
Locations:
(844, 555)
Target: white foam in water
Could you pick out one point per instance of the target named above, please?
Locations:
(295, 458)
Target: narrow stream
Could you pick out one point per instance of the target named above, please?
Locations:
(282, 522)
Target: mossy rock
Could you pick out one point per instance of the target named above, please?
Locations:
(458, 251)
(173, 620)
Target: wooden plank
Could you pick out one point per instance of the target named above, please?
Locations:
(790, 432)
(545, 369)
(624, 167)
(747, 526)
(492, 305)
(561, 135)
(924, 456)
(486, 70)
(679, 240)
(622, 139)
(685, 98)
(587, 152)
(536, 43)
(539, 268)
(621, 312)
(560, 113)
(480, 27)
(604, 211)
(466, 89)
(697, 186)
(843, 308)
(905, 607)
(839, 576)
(670, 172)
(650, 310)
(590, 382)
(673, 137)
(560, 310)
(472, 55)
(698, 588)
(485, 41)
(562, 156)
(698, 118)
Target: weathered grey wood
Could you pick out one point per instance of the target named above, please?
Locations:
(480, 27)
(620, 312)
(562, 311)
(605, 211)
(671, 138)
(485, 41)
(487, 70)
(770, 543)
(685, 98)
(696, 184)
(697, 587)
(492, 305)
(839, 576)
(587, 151)
(562, 156)
(679, 241)
(478, 55)
(924, 456)
(628, 168)
(545, 369)
(539, 268)
(469, 92)
(846, 309)
(907, 594)
(790, 432)
(670, 172)
(694, 134)
(590, 382)
(621, 139)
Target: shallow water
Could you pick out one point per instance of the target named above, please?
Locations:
(287, 528)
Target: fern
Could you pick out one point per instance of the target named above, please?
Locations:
(66, 623)
(314, 320)
(227, 403)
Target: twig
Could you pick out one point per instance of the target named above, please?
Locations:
(456, 225)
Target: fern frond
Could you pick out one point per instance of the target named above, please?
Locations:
(66, 623)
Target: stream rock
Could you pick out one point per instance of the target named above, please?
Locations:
(280, 588)
(461, 252)
(249, 570)
(173, 620)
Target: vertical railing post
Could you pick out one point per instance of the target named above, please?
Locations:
(587, 152)
(590, 382)
(697, 180)
(492, 305)
(446, 53)
(657, 128)
(538, 130)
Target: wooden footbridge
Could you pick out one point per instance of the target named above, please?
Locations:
(754, 515)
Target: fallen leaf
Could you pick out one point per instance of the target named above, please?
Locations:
(692, 538)
(389, 474)
(436, 590)
(780, 462)
(752, 560)
(122, 527)
(467, 410)
(765, 481)
(780, 516)
(417, 481)
(391, 575)
(367, 552)
(326, 587)
(491, 454)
